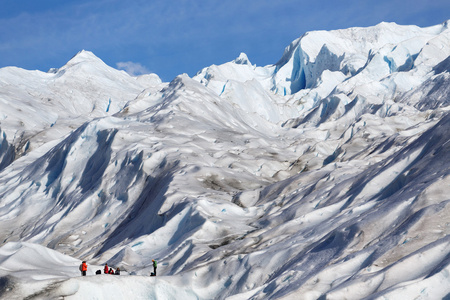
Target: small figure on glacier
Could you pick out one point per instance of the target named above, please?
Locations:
(154, 267)
(83, 268)
(106, 269)
(117, 271)
(111, 271)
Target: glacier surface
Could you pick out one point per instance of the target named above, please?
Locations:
(322, 176)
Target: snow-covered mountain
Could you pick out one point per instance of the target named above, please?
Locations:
(323, 176)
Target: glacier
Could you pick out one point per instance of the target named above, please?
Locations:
(322, 176)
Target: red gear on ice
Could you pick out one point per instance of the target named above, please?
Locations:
(83, 266)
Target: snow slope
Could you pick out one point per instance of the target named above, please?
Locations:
(323, 176)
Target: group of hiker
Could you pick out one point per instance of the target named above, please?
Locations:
(108, 270)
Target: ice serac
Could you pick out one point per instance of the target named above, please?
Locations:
(7, 154)
(322, 176)
(350, 51)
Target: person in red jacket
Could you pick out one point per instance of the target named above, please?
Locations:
(106, 269)
(83, 268)
(111, 271)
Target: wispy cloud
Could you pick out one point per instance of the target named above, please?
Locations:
(132, 68)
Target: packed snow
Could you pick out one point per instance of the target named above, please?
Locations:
(322, 176)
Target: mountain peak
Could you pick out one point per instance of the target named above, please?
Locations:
(242, 59)
(85, 60)
(83, 56)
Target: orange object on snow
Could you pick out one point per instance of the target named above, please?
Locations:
(83, 266)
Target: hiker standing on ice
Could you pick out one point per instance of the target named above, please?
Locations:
(83, 268)
(154, 267)
(106, 269)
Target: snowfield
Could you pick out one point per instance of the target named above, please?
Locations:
(322, 176)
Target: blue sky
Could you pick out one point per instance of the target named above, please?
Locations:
(170, 37)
